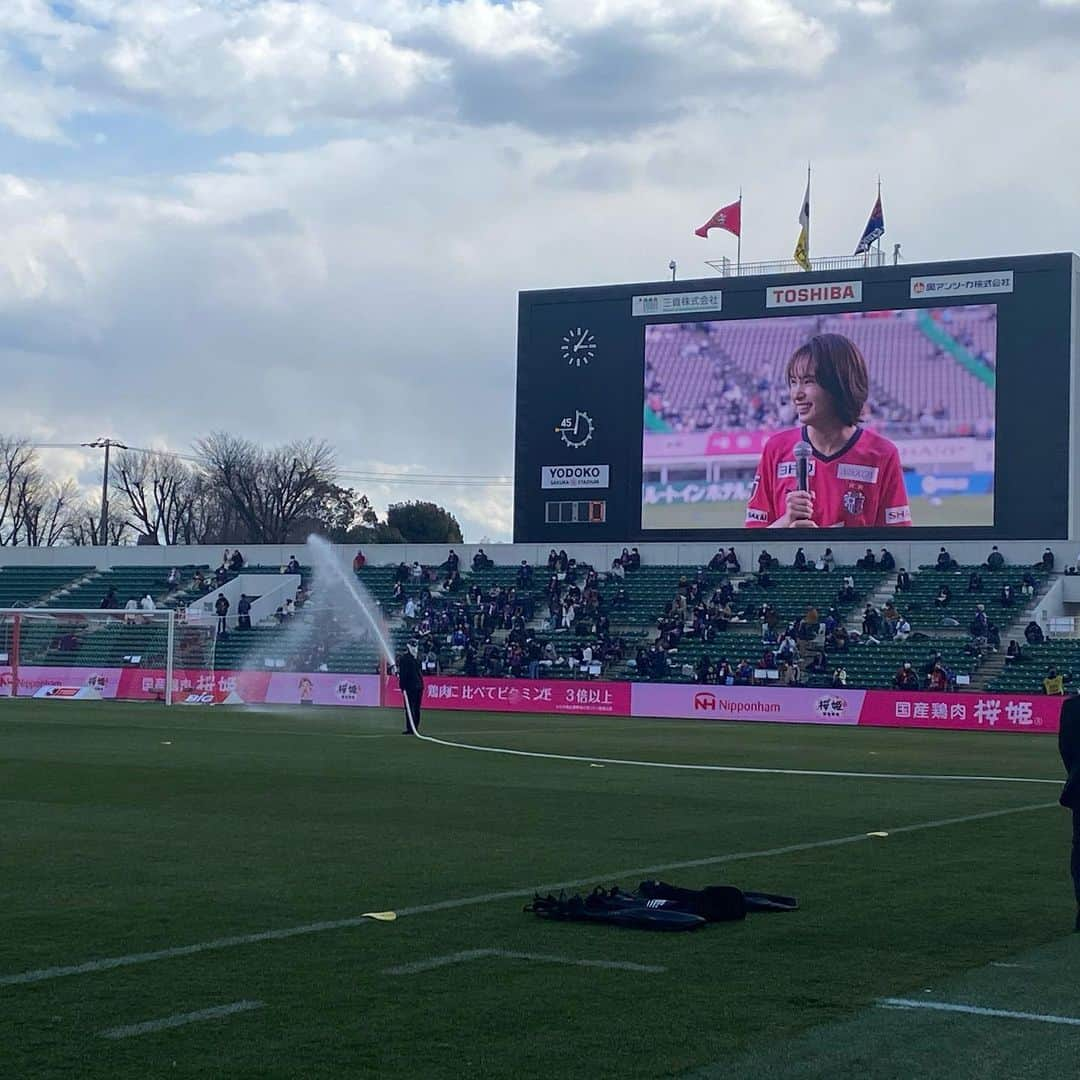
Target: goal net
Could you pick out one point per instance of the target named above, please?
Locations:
(74, 652)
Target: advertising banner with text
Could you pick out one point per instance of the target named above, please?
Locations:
(519, 695)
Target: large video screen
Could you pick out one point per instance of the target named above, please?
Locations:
(898, 408)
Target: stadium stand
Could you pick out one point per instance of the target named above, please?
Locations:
(30, 586)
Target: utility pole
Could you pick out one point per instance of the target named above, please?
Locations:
(107, 444)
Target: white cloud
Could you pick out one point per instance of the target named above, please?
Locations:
(363, 289)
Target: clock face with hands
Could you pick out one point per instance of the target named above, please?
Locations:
(578, 346)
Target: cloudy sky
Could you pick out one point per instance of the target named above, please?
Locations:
(296, 218)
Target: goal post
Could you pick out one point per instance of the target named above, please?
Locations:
(116, 653)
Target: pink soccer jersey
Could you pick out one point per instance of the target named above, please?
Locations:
(861, 486)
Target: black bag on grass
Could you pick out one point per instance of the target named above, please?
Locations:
(615, 907)
(714, 903)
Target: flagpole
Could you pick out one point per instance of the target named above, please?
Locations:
(808, 216)
(738, 248)
(879, 203)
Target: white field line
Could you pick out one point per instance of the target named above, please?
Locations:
(975, 1010)
(180, 1019)
(739, 768)
(108, 963)
(478, 954)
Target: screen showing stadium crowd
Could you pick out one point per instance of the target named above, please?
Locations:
(898, 404)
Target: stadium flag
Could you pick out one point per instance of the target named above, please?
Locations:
(802, 245)
(875, 227)
(727, 217)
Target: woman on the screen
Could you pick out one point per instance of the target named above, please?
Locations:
(855, 479)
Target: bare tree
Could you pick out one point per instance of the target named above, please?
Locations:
(158, 489)
(47, 509)
(270, 490)
(18, 463)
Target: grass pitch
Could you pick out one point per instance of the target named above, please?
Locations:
(130, 832)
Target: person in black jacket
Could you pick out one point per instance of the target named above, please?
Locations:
(411, 680)
(1069, 748)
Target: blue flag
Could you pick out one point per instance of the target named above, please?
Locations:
(875, 229)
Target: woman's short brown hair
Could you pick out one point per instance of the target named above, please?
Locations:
(840, 371)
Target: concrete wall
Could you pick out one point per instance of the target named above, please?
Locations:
(907, 553)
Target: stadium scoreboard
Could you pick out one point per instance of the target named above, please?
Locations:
(642, 410)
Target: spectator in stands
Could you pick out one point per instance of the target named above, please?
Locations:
(800, 560)
(887, 562)
(789, 673)
(905, 678)
(980, 623)
(359, 561)
(995, 560)
(108, 601)
(846, 594)
(818, 665)
(839, 678)
(718, 563)
(938, 679)
(764, 580)
(226, 558)
(1007, 598)
(1033, 634)
(1014, 654)
(453, 561)
(1054, 683)
(903, 629)
(147, 603)
(867, 562)
(944, 595)
(1027, 588)
(732, 561)
(744, 673)
(173, 580)
(236, 563)
(221, 610)
(481, 561)
(524, 575)
(131, 612)
(944, 561)
(1047, 561)
(765, 561)
(975, 581)
(292, 566)
(903, 581)
(891, 615)
(552, 560)
(243, 613)
(702, 669)
(220, 575)
(828, 561)
(289, 607)
(872, 624)
(198, 582)
(401, 574)
(810, 623)
(416, 571)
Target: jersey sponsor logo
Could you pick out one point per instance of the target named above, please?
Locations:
(757, 515)
(854, 501)
(897, 515)
(864, 474)
(755, 485)
(790, 469)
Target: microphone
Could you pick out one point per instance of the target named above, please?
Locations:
(803, 452)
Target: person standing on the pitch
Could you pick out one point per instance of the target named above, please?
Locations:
(411, 681)
(1069, 748)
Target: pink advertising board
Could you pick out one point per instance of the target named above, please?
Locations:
(788, 705)
(975, 711)
(106, 681)
(519, 695)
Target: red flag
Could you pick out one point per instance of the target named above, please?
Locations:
(729, 217)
